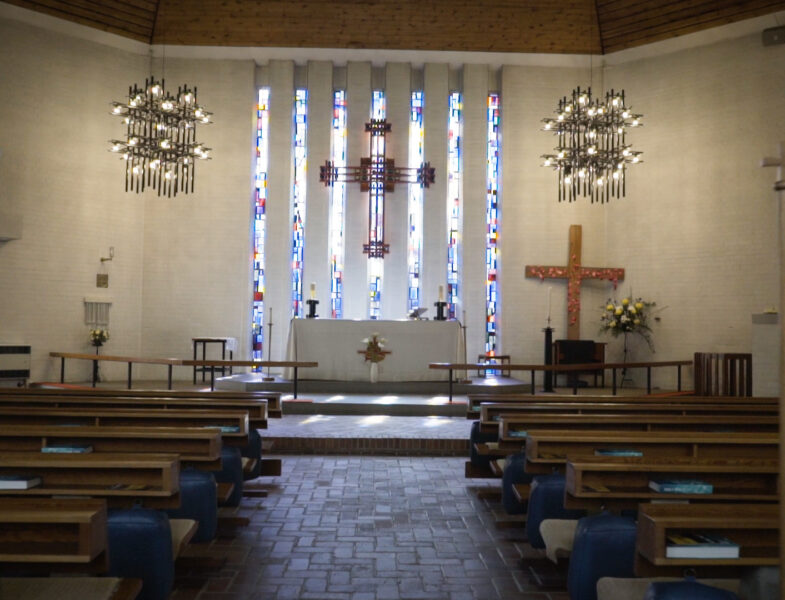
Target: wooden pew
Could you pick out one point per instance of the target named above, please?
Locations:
(476, 400)
(122, 479)
(547, 451)
(755, 527)
(514, 429)
(179, 398)
(232, 424)
(257, 409)
(69, 534)
(196, 447)
(70, 588)
(617, 482)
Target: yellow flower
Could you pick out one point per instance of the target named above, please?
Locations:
(637, 321)
(632, 310)
(612, 324)
(609, 307)
(626, 301)
(639, 305)
(619, 310)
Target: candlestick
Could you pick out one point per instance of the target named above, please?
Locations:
(550, 289)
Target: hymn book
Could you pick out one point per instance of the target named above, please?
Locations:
(681, 486)
(19, 482)
(695, 544)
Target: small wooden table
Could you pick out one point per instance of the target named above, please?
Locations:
(211, 340)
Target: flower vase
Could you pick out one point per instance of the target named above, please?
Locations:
(374, 372)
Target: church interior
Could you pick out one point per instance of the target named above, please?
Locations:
(410, 213)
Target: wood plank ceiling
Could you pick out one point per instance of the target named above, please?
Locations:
(545, 26)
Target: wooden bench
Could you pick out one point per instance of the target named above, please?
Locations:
(476, 400)
(233, 425)
(70, 588)
(514, 429)
(547, 451)
(755, 527)
(65, 533)
(252, 401)
(122, 479)
(196, 447)
(617, 482)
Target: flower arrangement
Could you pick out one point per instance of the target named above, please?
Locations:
(98, 336)
(374, 348)
(627, 316)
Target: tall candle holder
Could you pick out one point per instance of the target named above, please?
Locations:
(311, 309)
(440, 311)
(547, 376)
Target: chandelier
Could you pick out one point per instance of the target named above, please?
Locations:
(592, 154)
(160, 149)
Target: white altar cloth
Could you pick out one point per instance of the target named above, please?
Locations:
(334, 343)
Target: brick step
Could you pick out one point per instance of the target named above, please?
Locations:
(371, 446)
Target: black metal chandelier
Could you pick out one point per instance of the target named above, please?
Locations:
(160, 149)
(592, 154)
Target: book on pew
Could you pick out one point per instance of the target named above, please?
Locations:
(695, 544)
(518, 433)
(681, 486)
(19, 482)
(67, 449)
(617, 452)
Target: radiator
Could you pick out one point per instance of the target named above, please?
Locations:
(14, 363)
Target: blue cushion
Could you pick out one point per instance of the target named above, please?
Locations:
(479, 437)
(140, 546)
(253, 450)
(231, 472)
(604, 546)
(686, 590)
(198, 502)
(514, 473)
(546, 501)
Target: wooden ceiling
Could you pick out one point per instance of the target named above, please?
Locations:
(545, 26)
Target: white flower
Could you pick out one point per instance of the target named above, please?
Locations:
(365, 340)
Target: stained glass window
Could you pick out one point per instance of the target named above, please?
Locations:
(337, 205)
(492, 225)
(298, 198)
(260, 201)
(416, 154)
(454, 191)
(376, 216)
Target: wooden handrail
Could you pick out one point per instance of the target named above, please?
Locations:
(171, 362)
(532, 368)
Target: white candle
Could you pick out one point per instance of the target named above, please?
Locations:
(550, 289)
(313, 291)
(441, 293)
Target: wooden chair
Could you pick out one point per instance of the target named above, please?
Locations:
(723, 374)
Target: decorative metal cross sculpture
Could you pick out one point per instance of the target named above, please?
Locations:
(377, 175)
(574, 273)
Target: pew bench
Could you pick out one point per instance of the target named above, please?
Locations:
(122, 479)
(620, 482)
(256, 408)
(70, 588)
(754, 527)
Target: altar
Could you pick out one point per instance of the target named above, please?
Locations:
(334, 344)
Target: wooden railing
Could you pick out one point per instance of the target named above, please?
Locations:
(172, 362)
(590, 367)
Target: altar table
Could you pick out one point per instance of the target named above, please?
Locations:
(334, 343)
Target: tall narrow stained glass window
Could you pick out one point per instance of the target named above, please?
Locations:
(259, 218)
(337, 205)
(454, 192)
(416, 154)
(376, 210)
(492, 226)
(298, 198)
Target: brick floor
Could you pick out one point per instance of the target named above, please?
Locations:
(364, 528)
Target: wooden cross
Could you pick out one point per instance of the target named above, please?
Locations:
(574, 273)
(376, 175)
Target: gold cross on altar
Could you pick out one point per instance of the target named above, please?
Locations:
(574, 273)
